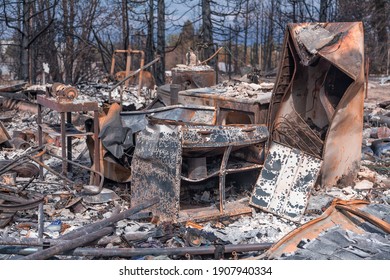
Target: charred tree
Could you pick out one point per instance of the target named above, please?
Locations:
(160, 69)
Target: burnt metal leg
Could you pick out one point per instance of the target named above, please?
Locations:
(63, 143)
(40, 220)
(40, 140)
(222, 177)
(69, 140)
(96, 146)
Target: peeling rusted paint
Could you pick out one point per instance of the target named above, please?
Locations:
(317, 103)
(285, 182)
(158, 157)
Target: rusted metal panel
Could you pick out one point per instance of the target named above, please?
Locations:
(347, 215)
(4, 135)
(317, 103)
(285, 181)
(156, 169)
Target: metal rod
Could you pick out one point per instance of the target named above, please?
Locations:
(110, 221)
(132, 252)
(84, 167)
(63, 143)
(41, 219)
(29, 241)
(222, 178)
(96, 146)
(68, 245)
(69, 140)
(54, 172)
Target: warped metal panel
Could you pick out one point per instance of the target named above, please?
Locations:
(285, 181)
(156, 169)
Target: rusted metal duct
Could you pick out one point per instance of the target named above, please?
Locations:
(319, 94)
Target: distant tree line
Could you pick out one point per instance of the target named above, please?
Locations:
(77, 38)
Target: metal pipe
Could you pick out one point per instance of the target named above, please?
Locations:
(11, 241)
(181, 251)
(141, 73)
(133, 252)
(68, 245)
(41, 219)
(109, 221)
(174, 91)
(54, 172)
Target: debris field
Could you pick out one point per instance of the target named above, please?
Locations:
(295, 167)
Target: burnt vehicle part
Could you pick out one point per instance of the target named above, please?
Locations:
(317, 103)
(170, 156)
(230, 110)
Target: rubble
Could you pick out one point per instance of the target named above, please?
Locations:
(229, 170)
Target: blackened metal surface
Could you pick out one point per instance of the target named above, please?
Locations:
(25, 169)
(137, 121)
(221, 136)
(285, 181)
(156, 169)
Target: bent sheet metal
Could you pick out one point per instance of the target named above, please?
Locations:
(284, 183)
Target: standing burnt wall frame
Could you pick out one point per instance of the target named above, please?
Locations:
(318, 99)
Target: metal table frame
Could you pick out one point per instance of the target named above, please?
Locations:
(65, 109)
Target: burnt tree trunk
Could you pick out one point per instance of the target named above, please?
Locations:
(161, 42)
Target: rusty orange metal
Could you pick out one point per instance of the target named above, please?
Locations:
(341, 213)
(320, 90)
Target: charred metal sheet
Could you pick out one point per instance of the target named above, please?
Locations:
(285, 181)
(156, 169)
(137, 120)
(255, 108)
(158, 158)
(222, 136)
(317, 103)
(348, 215)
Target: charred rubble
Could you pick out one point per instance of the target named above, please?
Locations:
(199, 170)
